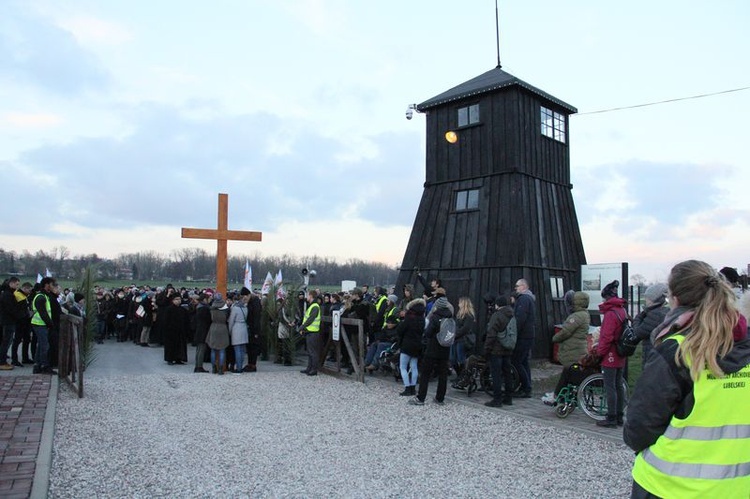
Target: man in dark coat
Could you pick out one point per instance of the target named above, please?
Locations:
(525, 314)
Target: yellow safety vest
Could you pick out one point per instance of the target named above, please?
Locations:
(381, 300)
(707, 454)
(314, 327)
(36, 319)
(388, 315)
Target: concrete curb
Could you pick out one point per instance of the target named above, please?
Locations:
(40, 485)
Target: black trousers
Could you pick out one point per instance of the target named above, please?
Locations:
(425, 371)
(312, 343)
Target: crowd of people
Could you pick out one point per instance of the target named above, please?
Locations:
(687, 418)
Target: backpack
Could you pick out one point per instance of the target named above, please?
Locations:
(508, 339)
(447, 332)
(628, 341)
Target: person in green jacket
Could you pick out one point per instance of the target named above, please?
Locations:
(573, 341)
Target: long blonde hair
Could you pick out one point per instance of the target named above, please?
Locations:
(465, 307)
(697, 285)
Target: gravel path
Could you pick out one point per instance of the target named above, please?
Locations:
(282, 434)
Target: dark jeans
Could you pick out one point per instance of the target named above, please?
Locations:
(428, 364)
(615, 392)
(42, 346)
(521, 355)
(501, 376)
(312, 342)
(9, 332)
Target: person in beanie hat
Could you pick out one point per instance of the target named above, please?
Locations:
(610, 290)
(651, 316)
(614, 314)
(436, 355)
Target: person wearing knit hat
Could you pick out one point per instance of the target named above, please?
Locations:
(610, 290)
(613, 365)
(651, 316)
(435, 356)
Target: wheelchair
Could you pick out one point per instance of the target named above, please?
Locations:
(590, 396)
(479, 377)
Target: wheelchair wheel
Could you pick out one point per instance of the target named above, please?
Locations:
(564, 410)
(515, 377)
(592, 397)
(472, 387)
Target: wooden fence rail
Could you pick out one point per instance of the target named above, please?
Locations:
(70, 363)
(357, 358)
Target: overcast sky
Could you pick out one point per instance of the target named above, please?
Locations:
(121, 121)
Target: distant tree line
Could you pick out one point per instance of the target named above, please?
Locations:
(192, 264)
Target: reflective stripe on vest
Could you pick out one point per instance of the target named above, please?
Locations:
(381, 300)
(314, 327)
(707, 454)
(388, 315)
(36, 319)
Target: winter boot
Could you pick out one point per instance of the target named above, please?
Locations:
(610, 422)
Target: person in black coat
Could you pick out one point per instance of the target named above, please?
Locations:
(650, 317)
(255, 334)
(436, 356)
(409, 332)
(498, 357)
(175, 329)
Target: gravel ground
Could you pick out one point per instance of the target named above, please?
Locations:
(286, 435)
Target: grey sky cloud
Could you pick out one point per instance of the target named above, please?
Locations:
(171, 164)
(34, 51)
(666, 193)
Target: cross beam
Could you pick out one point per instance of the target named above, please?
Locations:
(222, 234)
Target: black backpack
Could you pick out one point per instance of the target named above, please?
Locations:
(628, 341)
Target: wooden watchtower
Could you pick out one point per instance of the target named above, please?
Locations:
(497, 202)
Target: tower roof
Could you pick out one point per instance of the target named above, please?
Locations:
(493, 79)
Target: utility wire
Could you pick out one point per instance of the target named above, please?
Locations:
(663, 101)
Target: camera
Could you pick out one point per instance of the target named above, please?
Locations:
(410, 111)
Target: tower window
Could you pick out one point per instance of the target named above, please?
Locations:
(467, 200)
(468, 115)
(553, 124)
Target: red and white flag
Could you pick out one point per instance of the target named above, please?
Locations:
(267, 284)
(279, 283)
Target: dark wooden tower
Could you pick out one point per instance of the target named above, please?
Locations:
(497, 203)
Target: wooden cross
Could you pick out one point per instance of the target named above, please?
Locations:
(222, 234)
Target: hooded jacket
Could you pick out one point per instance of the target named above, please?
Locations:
(573, 336)
(614, 314)
(440, 310)
(409, 330)
(498, 323)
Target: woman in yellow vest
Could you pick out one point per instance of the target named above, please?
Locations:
(689, 417)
